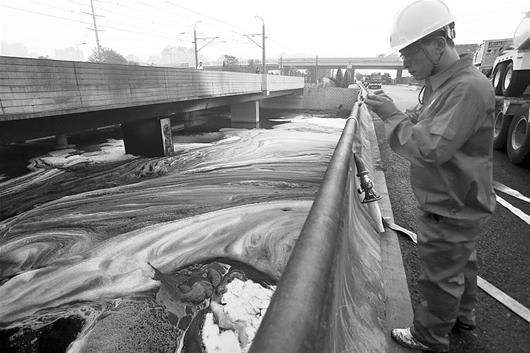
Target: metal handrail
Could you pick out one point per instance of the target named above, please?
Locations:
(363, 92)
(295, 315)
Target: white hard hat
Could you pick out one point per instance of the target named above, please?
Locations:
(419, 19)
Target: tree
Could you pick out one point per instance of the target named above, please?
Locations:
(253, 65)
(106, 55)
(133, 59)
(230, 63)
(181, 56)
(69, 53)
(346, 80)
(153, 60)
(387, 80)
(14, 49)
(338, 76)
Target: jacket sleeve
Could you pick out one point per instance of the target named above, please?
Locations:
(435, 139)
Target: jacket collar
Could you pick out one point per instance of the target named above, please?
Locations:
(440, 78)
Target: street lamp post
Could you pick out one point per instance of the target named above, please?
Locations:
(264, 70)
(195, 44)
(195, 39)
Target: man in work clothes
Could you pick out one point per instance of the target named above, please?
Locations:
(450, 151)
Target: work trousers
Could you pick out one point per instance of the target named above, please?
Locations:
(448, 279)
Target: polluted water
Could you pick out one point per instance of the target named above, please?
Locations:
(101, 251)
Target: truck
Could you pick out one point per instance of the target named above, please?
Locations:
(511, 69)
(510, 77)
(488, 51)
(375, 80)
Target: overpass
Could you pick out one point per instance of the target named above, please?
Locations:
(41, 97)
(351, 64)
(382, 63)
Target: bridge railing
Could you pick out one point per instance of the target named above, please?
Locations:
(330, 296)
(31, 88)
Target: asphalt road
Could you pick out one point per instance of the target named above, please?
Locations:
(502, 250)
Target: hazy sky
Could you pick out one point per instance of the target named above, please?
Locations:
(327, 28)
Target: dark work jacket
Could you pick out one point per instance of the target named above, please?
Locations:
(450, 147)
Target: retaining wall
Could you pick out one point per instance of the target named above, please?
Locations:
(316, 98)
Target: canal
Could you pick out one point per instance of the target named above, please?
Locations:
(113, 252)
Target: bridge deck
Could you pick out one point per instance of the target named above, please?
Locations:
(32, 88)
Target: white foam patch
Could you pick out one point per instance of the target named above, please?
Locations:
(229, 139)
(237, 318)
(190, 143)
(337, 123)
(216, 340)
(182, 147)
(110, 151)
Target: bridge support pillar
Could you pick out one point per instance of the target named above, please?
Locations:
(188, 120)
(399, 76)
(61, 142)
(245, 115)
(149, 138)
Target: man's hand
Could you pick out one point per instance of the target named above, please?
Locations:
(381, 104)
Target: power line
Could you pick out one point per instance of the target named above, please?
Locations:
(95, 29)
(158, 14)
(45, 14)
(49, 6)
(171, 23)
(87, 24)
(128, 16)
(111, 22)
(142, 32)
(206, 16)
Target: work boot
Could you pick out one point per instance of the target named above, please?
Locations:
(461, 327)
(404, 337)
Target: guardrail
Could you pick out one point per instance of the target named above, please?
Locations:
(327, 300)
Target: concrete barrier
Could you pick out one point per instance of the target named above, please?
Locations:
(316, 98)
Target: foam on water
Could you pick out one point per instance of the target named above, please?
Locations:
(110, 151)
(237, 317)
(83, 226)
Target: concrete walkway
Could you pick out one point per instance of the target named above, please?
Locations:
(398, 305)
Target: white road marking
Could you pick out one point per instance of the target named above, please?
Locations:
(523, 216)
(509, 191)
(504, 298)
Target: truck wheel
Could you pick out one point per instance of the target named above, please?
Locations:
(514, 82)
(518, 143)
(498, 78)
(500, 131)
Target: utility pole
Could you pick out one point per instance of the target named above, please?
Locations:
(195, 39)
(195, 44)
(262, 46)
(95, 29)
